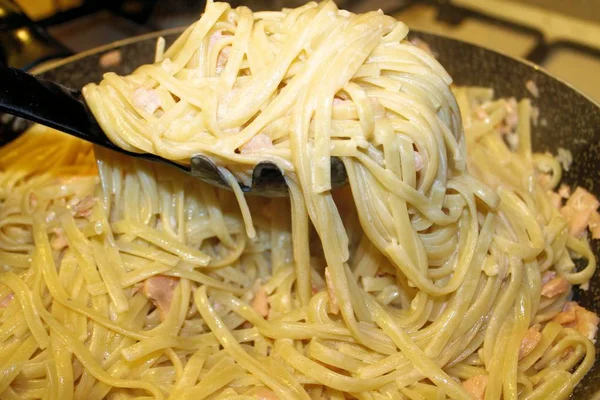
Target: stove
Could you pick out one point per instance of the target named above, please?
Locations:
(561, 36)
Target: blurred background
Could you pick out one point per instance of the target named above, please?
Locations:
(563, 36)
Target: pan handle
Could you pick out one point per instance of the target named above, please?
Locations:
(24, 44)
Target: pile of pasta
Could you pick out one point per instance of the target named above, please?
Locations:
(436, 273)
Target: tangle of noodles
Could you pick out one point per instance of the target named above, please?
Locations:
(420, 280)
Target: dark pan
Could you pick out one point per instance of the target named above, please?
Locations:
(573, 120)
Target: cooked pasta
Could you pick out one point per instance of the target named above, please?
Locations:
(436, 273)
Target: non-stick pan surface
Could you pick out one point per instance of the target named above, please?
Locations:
(571, 120)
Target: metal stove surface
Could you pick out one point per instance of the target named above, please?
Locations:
(562, 37)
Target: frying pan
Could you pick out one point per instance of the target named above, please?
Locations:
(572, 119)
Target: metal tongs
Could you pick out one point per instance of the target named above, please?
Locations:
(53, 105)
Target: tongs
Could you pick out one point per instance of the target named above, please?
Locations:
(56, 106)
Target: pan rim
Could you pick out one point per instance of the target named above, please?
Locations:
(156, 34)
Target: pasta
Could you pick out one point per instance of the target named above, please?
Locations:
(436, 273)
